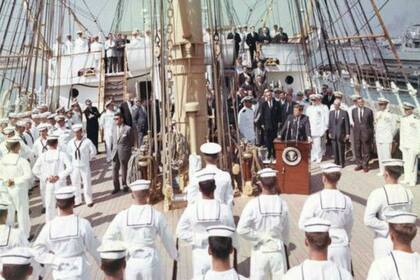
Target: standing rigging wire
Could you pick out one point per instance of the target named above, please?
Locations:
(311, 42)
(94, 18)
(250, 11)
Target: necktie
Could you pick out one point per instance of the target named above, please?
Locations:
(77, 154)
(30, 135)
(360, 114)
(336, 114)
(44, 147)
(23, 139)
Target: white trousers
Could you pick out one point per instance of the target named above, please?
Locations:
(108, 147)
(316, 151)
(267, 266)
(50, 202)
(20, 201)
(382, 246)
(144, 268)
(410, 166)
(42, 192)
(201, 262)
(79, 175)
(341, 256)
(384, 153)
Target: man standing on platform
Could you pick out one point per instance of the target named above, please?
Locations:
(269, 118)
(233, 35)
(246, 121)
(92, 126)
(297, 126)
(318, 120)
(363, 134)
(339, 132)
(252, 40)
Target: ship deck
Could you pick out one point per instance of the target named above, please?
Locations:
(356, 185)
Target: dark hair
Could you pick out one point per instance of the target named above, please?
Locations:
(333, 177)
(404, 233)
(118, 114)
(211, 157)
(15, 271)
(318, 240)
(220, 247)
(52, 142)
(112, 267)
(394, 171)
(269, 182)
(12, 146)
(3, 213)
(207, 187)
(64, 204)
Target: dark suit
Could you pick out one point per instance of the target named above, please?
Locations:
(339, 128)
(363, 135)
(328, 100)
(235, 36)
(92, 125)
(122, 144)
(141, 124)
(286, 110)
(268, 117)
(126, 112)
(296, 128)
(251, 41)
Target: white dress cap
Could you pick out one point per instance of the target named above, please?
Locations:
(42, 126)
(13, 140)
(400, 217)
(112, 250)
(408, 105)
(210, 148)
(9, 129)
(220, 231)
(140, 185)
(355, 97)
(53, 137)
(317, 225)
(45, 115)
(17, 255)
(52, 116)
(393, 162)
(383, 100)
(12, 115)
(267, 172)
(318, 96)
(205, 176)
(338, 94)
(20, 123)
(59, 117)
(330, 168)
(4, 121)
(76, 127)
(65, 192)
(246, 98)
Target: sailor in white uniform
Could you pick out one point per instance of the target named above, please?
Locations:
(25, 151)
(62, 131)
(220, 248)
(97, 49)
(391, 197)
(68, 45)
(138, 228)
(198, 216)
(318, 115)
(80, 44)
(386, 126)
(113, 259)
(317, 267)
(10, 237)
(410, 144)
(136, 41)
(64, 242)
(403, 263)
(107, 123)
(332, 205)
(17, 262)
(265, 223)
(81, 151)
(15, 172)
(224, 189)
(246, 119)
(52, 168)
(29, 133)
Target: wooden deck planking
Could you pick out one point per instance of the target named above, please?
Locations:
(357, 185)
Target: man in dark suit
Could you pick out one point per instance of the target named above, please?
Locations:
(296, 127)
(328, 98)
(287, 107)
(268, 120)
(233, 35)
(363, 134)
(122, 144)
(126, 110)
(251, 40)
(339, 132)
(140, 121)
(92, 125)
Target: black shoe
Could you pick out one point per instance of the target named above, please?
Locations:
(90, 205)
(43, 210)
(115, 191)
(126, 189)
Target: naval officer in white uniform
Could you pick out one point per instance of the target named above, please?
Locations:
(318, 115)
(52, 168)
(138, 228)
(224, 189)
(81, 151)
(113, 259)
(246, 120)
(391, 197)
(317, 267)
(64, 242)
(265, 223)
(386, 126)
(332, 205)
(403, 263)
(198, 216)
(220, 248)
(410, 144)
(107, 123)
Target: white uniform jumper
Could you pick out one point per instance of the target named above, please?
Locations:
(381, 201)
(52, 163)
(398, 265)
(40, 146)
(337, 208)
(63, 243)
(246, 124)
(410, 147)
(318, 119)
(192, 226)
(81, 153)
(230, 274)
(318, 270)
(106, 122)
(265, 222)
(14, 167)
(138, 227)
(385, 129)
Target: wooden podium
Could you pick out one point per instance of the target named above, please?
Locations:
(292, 164)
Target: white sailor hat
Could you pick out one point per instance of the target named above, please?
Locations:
(53, 137)
(9, 129)
(317, 96)
(45, 115)
(205, 176)
(59, 117)
(140, 185)
(393, 162)
(383, 100)
(14, 139)
(338, 94)
(112, 250)
(79, 32)
(13, 115)
(210, 148)
(4, 121)
(27, 120)
(317, 225)
(246, 98)
(77, 127)
(20, 115)
(17, 255)
(4, 204)
(65, 192)
(408, 106)
(299, 93)
(267, 172)
(313, 96)
(400, 217)
(52, 116)
(35, 116)
(42, 126)
(41, 106)
(220, 231)
(330, 168)
(20, 123)
(26, 114)
(355, 97)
